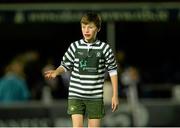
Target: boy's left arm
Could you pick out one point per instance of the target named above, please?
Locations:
(115, 98)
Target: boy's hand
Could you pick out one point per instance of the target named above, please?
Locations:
(115, 103)
(51, 74)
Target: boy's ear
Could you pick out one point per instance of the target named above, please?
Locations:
(99, 29)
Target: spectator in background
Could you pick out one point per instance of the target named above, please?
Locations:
(121, 65)
(127, 73)
(13, 86)
(32, 69)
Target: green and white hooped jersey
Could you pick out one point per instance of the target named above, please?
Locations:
(88, 63)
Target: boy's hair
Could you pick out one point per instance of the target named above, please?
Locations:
(91, 17)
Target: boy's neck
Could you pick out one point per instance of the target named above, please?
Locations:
(90, 41)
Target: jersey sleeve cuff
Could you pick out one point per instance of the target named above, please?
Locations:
(112, 72)
(63, 68)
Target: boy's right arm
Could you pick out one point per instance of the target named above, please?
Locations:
(51, 74)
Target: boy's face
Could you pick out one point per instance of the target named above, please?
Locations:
(89, 31)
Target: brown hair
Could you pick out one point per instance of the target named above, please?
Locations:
(92, 17)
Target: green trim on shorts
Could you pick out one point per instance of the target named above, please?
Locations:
(93, 108)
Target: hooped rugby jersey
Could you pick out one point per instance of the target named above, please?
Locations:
(88, 63)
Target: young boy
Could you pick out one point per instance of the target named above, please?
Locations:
(88, 59)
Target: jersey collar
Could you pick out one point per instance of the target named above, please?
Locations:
(84, 42)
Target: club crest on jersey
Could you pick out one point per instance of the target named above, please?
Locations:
(98, 54)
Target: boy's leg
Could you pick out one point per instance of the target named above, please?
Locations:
(76, 109)
(77, 120)
(94, 122)
(95, 111)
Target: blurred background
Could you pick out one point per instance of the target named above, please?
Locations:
(144, 36)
